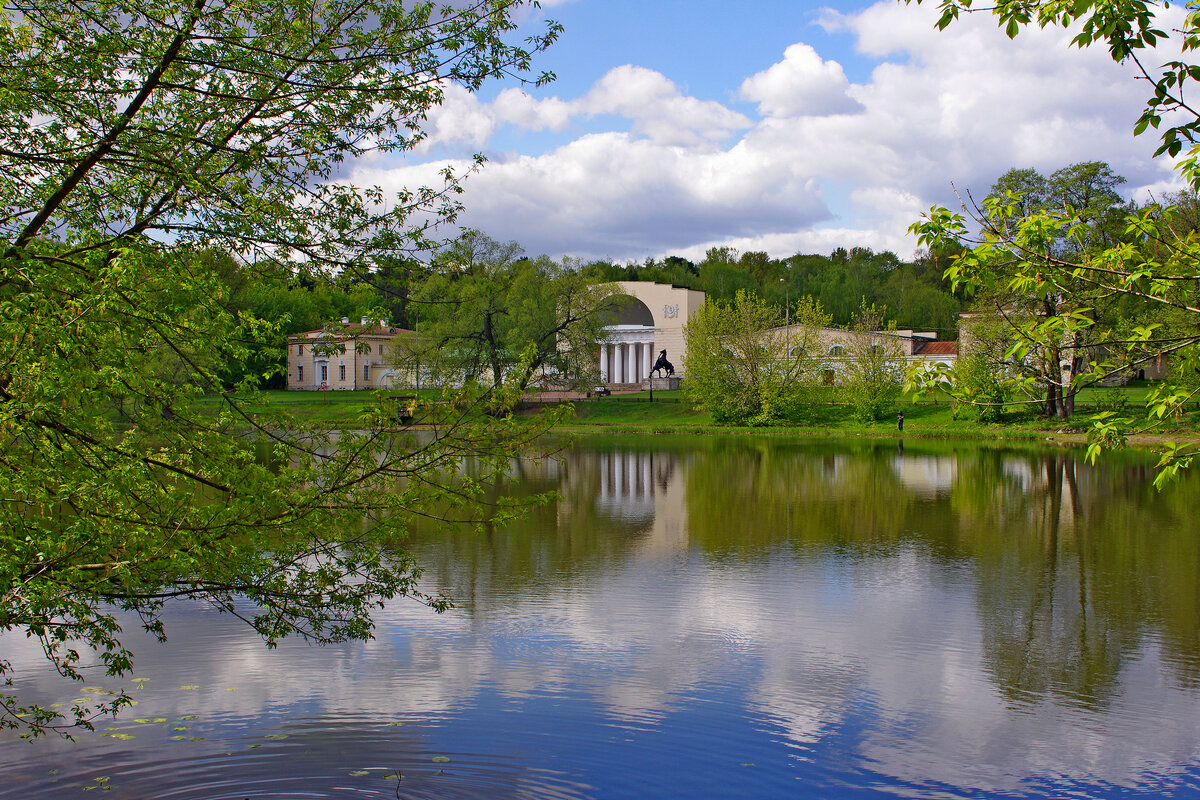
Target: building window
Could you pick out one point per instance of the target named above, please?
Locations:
(837, 350)
(366, 372)
(299, 374)
(380, 349)
(299, 349)
(324, 373)
(341, 372)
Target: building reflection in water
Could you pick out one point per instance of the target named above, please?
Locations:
(925, 476)
(642, 490)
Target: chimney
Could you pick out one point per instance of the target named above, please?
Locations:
(383, 323)
(345, 320)
(364, 321)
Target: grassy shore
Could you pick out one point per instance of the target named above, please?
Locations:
(669, 412)
(927, 418)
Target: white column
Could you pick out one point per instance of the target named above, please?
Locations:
(618, 365)
(603, 363)
(632, 369)
(647, 356)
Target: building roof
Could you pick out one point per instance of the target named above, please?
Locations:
(351, 330)
(940, 349)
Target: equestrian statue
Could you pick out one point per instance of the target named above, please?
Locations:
(662, 365)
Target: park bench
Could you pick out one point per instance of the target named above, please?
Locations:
(403, 405)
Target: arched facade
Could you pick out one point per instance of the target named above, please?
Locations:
(651, 321)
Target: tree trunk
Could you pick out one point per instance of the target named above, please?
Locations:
(493, 351)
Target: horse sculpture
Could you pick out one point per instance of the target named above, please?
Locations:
(662, 365)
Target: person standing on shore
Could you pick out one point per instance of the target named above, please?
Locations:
(900, 421)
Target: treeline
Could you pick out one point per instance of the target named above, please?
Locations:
(913, 293)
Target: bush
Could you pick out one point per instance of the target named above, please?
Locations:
(980, 392)
(743, 369)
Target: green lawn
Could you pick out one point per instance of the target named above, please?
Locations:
(670, 412)
(335, 409)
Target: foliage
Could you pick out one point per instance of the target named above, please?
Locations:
(914, 292)
(744, 368)
(216, 125)
(980, 381)
(1045, 358)
(486, 305)
(1153, 270)
(873, 371)
(1084, 315)
(981, 393)
(1087, 189)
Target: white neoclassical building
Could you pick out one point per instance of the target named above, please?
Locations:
(650, 321)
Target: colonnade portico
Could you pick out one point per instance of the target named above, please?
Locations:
(627, 356)
(646, 319)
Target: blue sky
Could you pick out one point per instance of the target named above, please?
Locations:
(673, 127)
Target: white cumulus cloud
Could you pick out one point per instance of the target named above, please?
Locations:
(640, 167)
(802, 84)
(658, 109)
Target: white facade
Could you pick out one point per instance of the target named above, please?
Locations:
(627, 354)
(910, 346)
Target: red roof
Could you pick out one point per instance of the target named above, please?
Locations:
(940, 349)
(353, 329)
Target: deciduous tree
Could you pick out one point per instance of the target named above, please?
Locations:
(495, 316)
(134, 136)
(744, 368)
(873, 372)
(1154, 267)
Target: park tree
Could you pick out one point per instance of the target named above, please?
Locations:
(134, 138)
(497, 317)
(1077, 206)
(744, 367)
(1027, 185)
(872, 376)
(981, 380)
(1088, 192)
(1154, 267)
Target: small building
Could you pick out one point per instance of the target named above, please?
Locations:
(344, 356)
(910, 346)
(932, 351)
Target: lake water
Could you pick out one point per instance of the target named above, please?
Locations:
(752, 618)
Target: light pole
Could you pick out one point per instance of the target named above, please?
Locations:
(787, 315)
(787, 306)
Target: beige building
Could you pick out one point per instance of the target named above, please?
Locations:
(345, 356)
(653, 319)
(974, 325)
(911, 346)
(650, 321)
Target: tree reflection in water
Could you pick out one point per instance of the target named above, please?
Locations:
(1074, 565)
(951, 619)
